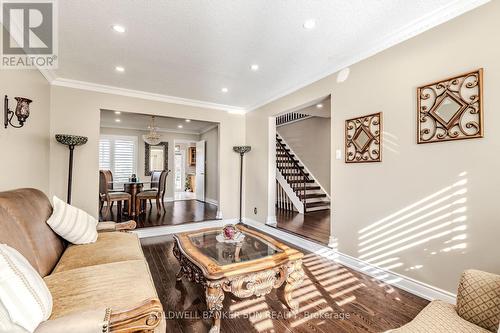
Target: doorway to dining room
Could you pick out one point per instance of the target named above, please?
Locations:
(157, 170)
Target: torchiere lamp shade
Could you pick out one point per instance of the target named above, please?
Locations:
(242, 149)
(71, 140)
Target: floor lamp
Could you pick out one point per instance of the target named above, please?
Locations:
(241, 150)
(71, 141)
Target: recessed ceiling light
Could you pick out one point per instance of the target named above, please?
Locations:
(254, 67)
(188, 120)
(117, 120)
(118, 112)
(319, 106)
(309, 24)
(179, 126)
(224, 90)
(120, 69)
(119, 28)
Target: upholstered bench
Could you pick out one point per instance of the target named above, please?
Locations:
(107, 281)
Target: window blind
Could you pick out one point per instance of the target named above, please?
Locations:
(118, 154)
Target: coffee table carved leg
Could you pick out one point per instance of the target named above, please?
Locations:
(295, 277)
(214, 296)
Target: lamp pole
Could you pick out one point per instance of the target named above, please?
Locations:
(241, 150)
(70, 172)
(71, 141)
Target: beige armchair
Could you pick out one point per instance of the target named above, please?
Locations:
(477, 309)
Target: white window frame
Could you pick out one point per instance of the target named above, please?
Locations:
(113, 138)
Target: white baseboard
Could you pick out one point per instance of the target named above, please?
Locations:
(174, 229)
(403, 282)
(212, 201)
(271, 221)
(332, 242)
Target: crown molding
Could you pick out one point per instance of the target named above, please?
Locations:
(83, 85)
(48, 74)
(412, 29)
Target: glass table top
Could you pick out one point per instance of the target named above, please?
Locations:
(251, 248)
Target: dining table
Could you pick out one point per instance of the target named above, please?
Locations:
(133, 188)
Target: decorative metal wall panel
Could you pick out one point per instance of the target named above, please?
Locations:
(363, 139)
(451, 109)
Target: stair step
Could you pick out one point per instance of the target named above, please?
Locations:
(308, 188)
(290, 167)
(318, 204)
(278, 139)
(284, 155)
(294, 174)
(312, 195)
(316, 209)
(308, 181)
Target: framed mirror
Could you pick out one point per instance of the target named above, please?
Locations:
(155, 157)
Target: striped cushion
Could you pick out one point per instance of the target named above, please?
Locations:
(23, 293)
(72, 224)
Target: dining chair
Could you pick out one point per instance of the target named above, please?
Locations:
(108, 197)
(158, 193)
(155, 180)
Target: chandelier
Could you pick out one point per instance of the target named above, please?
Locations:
(152, 138)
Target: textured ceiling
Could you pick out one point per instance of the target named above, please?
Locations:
(191, 49)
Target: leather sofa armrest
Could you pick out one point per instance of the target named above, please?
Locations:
(143, 318)
(113, 226)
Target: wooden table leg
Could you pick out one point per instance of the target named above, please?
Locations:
(295, 277)
(214, 296)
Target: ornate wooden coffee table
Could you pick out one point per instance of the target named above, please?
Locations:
(253, 267)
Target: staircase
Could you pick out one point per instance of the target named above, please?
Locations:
(296, 188)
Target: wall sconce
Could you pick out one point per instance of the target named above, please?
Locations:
(22, 111)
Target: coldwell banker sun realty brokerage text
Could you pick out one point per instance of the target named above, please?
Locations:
(29, 34)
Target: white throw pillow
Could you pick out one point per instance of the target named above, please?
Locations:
(23, 292)
(6, 324)
(72, 224)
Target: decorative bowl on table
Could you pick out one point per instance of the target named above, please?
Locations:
(230, 234)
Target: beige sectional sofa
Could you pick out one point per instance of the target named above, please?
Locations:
(106, 283)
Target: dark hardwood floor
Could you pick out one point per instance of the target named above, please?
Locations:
(333, 298)
(313, 225)
(176, 212)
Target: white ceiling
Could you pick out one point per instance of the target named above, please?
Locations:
(192, 48)
(137, 121)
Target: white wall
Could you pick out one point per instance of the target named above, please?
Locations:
(25, 151)
(211, 164)
(310, 140)
(77, 111)
(166, 137)
(405, 186)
